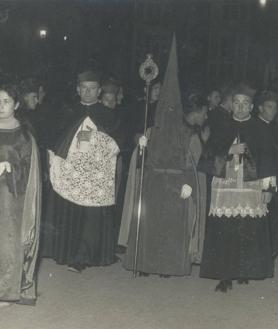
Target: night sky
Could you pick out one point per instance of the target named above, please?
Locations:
(115, 35)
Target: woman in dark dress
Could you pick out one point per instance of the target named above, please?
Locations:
(20, 205)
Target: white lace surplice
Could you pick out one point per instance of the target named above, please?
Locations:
(87, 176)
(232, 197)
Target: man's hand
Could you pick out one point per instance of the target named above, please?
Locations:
(5, 166)
(238, 149)
(205, 133)
(186, 191)
(266, 197)
(84, 135)
(51, 156)
(143, 141)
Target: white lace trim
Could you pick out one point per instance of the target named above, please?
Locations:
(243, 212)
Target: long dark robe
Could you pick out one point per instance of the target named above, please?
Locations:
(168, 243)
(74, 234)
(138, 116)
(19, 216)
(273, 206)
(238, 247)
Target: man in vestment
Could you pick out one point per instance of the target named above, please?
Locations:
(267, 102)
(237, 241)
(80, 218)
(170, 229)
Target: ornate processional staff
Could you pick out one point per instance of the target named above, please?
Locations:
(148, 71)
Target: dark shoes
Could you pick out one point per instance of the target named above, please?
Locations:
(76, 268)
(224, 286)
(120, 250)
(143, 274)
(242, 281)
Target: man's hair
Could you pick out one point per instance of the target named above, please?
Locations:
(243, 88)
(89, 75)
(110, 86)
(29, 85)
(211, 90)
(194, 103)
(11, 90)
(266, 95)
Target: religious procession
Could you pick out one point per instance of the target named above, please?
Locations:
(163, 183)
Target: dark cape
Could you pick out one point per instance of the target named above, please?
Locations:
(259, 160)
(20, 195)
(79, 235)
(218, 117)
(272, 128)
(237, 247)
(165, 226)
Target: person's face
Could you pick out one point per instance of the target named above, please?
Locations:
(268, 110)
(201, 116)
(120, 96)
(31, 100)
(155, 91)
(7, 105)
(88, 91)
(109, 100)
(241, 106)
(41, 94)
(214, 99)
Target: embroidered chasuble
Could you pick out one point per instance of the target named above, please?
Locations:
(87, 176)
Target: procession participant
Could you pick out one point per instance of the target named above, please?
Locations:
(213, 99)
(20, 204)
(170, 228)
(219, 118)
(219, 115)
(237, 241)
(138, 112)
(29, 91)
(267, 103)
(109, 91)
(81, 206)
(109, 97)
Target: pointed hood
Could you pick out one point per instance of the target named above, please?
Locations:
(166, 145)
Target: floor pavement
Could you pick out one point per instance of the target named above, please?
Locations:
(110, 298)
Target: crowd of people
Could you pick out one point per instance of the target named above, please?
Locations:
(70, 182)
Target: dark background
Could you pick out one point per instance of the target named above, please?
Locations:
(218, 41)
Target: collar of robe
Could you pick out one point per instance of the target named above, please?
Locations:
(86, 104)
(243, 120)
(264, 120)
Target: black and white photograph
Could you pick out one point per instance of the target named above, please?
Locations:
(138, 164)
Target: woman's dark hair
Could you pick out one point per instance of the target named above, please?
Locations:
(11, 90)
(194, 103)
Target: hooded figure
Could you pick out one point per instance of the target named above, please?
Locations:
(169, 239)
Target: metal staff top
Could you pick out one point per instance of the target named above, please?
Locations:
(148, 70)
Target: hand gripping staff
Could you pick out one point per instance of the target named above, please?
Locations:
(148, 71)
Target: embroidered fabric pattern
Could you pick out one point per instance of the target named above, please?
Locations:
(87, 176)
(230, 201)
(239, 211)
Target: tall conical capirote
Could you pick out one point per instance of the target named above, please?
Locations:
(165, 149)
